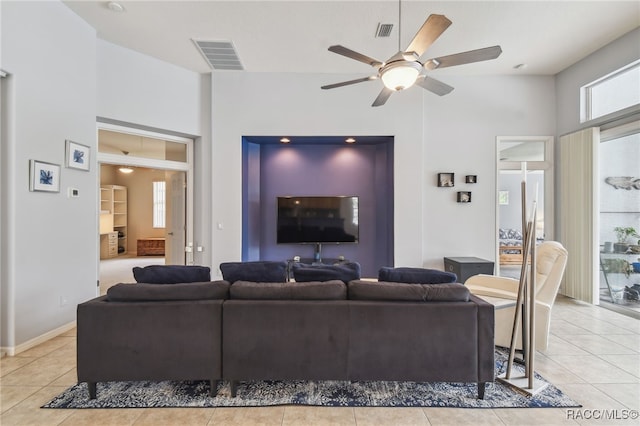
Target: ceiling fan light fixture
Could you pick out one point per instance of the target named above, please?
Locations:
(400, 75)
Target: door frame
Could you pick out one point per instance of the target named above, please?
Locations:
(549, 184)
(187, 167)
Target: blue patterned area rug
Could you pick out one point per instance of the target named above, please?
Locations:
(315, 393)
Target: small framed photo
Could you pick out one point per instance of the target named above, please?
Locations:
(43, 176)
(445, 179)
(77, 155)
(471, 179)
(503, 198)
(464, 196)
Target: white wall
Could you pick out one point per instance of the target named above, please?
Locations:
(145, 91)
(611, 57)
(294, 105)
(460, 137)
(432, 134)
(50, 250)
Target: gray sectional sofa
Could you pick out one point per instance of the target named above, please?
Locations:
(314, 330)
(152, 332)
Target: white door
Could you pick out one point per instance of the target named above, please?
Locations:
(175, 239)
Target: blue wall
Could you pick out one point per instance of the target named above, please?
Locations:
(364, 170)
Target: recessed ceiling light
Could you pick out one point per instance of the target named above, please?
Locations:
(125, 170)
(350, 140)
(285, 140)
(115, 6)
(520, 66)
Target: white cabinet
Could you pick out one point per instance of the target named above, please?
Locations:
(113, 214)
(108, 245)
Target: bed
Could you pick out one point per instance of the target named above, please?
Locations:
(510, 248)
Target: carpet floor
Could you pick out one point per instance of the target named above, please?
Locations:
(312, 393)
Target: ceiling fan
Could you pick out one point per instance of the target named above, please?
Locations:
(404, 69)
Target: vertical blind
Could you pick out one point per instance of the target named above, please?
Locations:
(578, 213)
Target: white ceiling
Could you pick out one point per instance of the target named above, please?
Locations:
(293, 36)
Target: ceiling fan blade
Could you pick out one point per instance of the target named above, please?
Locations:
(382, 98)
(341, 50)
(433, 85)
(477, 55)
(347, 83)
(432, 28)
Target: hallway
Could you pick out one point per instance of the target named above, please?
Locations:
(120, 269)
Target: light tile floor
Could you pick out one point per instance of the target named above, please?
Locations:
(594, 357)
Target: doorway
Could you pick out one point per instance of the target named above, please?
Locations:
(530, 159)
(146, 201)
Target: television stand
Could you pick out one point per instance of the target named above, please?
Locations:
(310, 261)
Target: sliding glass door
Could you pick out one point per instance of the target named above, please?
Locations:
(619, 233)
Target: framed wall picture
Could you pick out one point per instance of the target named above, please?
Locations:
(44, 176)
(503, 198)
(77, 155)
(471, 179)
(464, 196)
(445, 179)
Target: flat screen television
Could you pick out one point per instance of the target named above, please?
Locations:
(309, 220)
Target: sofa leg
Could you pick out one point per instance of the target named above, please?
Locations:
(92, 389)
(233, 385)
(214, 388)
(481, 388)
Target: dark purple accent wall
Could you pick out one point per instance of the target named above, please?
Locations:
(320, 169)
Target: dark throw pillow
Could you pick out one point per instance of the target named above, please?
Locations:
(344, 272)
(416, 275)
(262, 271)
(171, 274)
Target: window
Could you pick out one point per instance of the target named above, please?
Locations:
(159, 204)
(611, 93)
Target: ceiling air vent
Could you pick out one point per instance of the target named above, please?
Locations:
(384, 30)
(221, 55)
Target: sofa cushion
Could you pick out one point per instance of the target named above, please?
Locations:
(262, 271)
(326, 290)
(371, 290)
(415, 275)
(171, 274)
(181, 291)
(344, 272)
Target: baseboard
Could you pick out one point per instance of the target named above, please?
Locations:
(14, 350)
